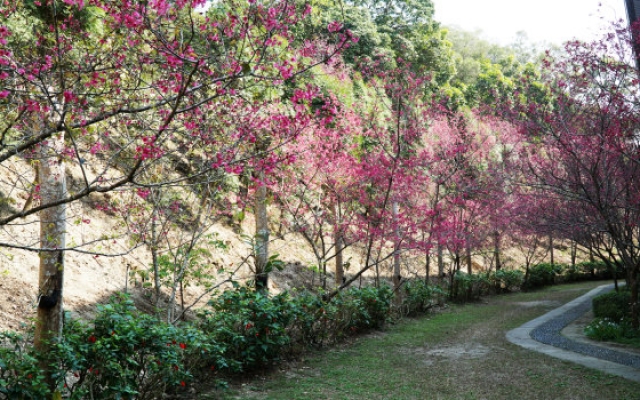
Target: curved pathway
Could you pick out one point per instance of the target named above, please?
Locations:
(543, 335)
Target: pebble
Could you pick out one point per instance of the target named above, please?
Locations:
(549, 333)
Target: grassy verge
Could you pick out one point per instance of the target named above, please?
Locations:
(460, 353)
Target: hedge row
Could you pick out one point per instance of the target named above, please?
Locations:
(125, 354)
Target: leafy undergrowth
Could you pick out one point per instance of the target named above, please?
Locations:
(460, 353)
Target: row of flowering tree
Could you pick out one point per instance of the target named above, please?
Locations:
(183, 110)
(399, 175)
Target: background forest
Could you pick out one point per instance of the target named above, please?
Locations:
(249, 178)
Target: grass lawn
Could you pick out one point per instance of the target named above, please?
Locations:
(459, 353)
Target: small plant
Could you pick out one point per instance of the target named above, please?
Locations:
(604, 329)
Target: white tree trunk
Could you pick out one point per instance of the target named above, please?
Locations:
(262, 235)
(52, 236)
(339, 244)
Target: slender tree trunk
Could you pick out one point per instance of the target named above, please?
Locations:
(262, 236)
(339, 244)
(397, 277)
(468, 256)
(52, 236)
(496, 250)
(551, 248)
(440, 263)
(182, 308)
(427, 267)
(262, 222)
(574, 252)
(154, 253)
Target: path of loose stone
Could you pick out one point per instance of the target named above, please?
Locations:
(543, 335)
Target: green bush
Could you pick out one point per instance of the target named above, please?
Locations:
(259, 328)
(613, 306)
(320, 322)
(576, 273)
(250, 324)
(123, 355)
(506, 280)
(466, 287)
(20, 375)
(419, 297)
(541, 275)
(368, 307)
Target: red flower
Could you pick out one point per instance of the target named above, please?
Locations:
(92, 339)
(248, 326)
(183, 384)
(183, 346)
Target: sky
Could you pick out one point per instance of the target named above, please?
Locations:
(552, 21)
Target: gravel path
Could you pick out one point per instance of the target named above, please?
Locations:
(549, 333)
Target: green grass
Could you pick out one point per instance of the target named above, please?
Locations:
(459, 353)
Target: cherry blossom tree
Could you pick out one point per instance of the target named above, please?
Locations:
(112, 89)
(582, 145)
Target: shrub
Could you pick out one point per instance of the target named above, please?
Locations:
(613, 306)
(466, 287)
(259, 328)
(541, 275)
(419, 297)
(20, 375)
(368, 307)
(252, 325)
(124, 354)
(576, 273)
(506, 280)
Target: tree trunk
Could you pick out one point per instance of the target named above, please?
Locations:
(574, 251)
(261, 251)
(154, 254)
(339, 244)
(397, 277)
(496, 250)
(635, 311)
(52, 236)
(262, 235)
(427, 267)
(551, 248)
(440, 263)
(468, 256)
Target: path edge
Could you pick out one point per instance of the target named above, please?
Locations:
(521, 336)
